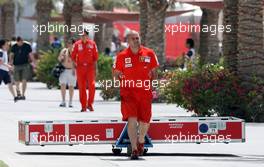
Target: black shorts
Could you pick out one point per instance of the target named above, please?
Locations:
(4, 76)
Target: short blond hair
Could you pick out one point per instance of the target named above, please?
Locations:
(132, 32)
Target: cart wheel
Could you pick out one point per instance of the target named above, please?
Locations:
(129, 150)
(117, 151)
(145, 151)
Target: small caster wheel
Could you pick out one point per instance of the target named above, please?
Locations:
(117, 151)
(129, 150)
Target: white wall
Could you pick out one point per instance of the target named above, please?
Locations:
(24, 27)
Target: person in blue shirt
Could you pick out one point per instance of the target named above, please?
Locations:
(56, 44)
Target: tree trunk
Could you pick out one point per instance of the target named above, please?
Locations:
(1, 21)
(209, 43)
(8, 19)
(73, 15)
(77, 12)
(67, 11)
(103, 38)
(230, 39)
(194, 35)
(155, 38)
(43, 9)
(250, 39)
(203, 50)
(143, 20)
(109, 30)
(99, 37)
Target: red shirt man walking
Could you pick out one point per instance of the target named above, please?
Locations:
(135, 67)
(85, 56)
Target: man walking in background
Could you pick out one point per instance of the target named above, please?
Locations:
(85, 56)
(20, 57)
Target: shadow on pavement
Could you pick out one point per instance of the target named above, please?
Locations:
(123, 154)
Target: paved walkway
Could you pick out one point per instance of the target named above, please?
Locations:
(42, 104)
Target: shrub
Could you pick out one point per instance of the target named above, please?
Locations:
(110, 93)
(104, 66)
(206, 91)
(255, 100)
(45, 65)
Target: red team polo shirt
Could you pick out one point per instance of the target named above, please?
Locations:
(136, 67)
(84, 53)
(136, 101)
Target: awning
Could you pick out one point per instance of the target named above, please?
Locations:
(210, 4)
(91, 16)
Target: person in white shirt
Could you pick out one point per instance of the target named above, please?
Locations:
(5, 67)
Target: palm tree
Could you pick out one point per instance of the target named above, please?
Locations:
(203, 49)
(155, 37)
(143, 20)
(67, 16)
(43, 9)
(209, 43)
(230, 39)
(73, 14)
(101, 36)
(109, 5)
(7, 19)
(250, 39)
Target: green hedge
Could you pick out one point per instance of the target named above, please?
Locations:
(104, 66)
(49, 59)
(213, 90)
(46, 63)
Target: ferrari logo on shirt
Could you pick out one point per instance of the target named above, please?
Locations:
(80, 48)
(141, 58)
(90, 46)
(145, 59)
(127, 60)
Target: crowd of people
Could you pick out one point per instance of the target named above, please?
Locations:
(16, 59)
(18, 62)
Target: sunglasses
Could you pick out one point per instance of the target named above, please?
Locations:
(135, 38)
